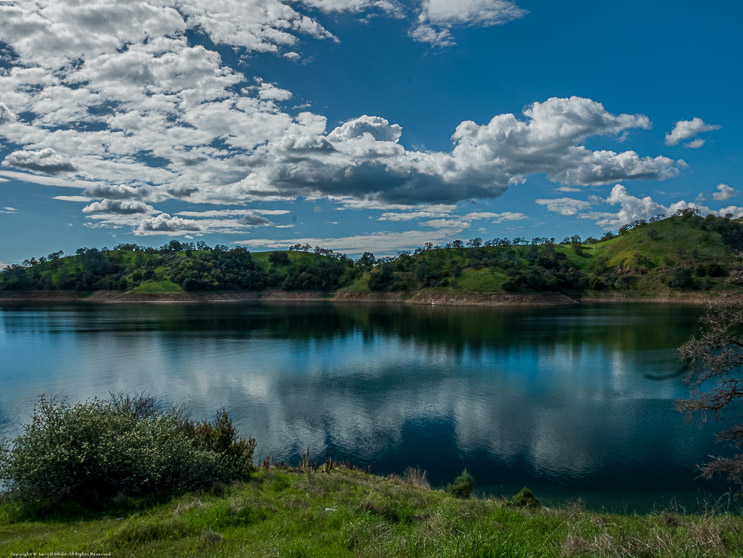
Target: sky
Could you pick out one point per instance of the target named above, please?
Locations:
(361, 125)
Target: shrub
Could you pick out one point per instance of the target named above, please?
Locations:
(525, 499)
(234, 454)
(462, 486)
(681, 278)
(280, 258)
(124, 446)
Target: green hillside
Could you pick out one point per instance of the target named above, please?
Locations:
(685, 253)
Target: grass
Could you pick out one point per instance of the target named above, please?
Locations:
(675, 242)
(297, 513)
(157, 287)
(481, 280)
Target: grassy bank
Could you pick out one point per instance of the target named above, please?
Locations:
(351, 513)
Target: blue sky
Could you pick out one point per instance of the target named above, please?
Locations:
(361, 124)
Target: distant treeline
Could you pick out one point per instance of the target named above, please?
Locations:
(685, 251)
(192, 266)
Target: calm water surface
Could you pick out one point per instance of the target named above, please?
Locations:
(575, 402)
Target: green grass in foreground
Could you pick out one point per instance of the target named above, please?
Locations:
(350, 513)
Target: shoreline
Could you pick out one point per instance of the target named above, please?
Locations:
(419, 298)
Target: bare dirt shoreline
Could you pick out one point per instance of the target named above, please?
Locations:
(424, 297)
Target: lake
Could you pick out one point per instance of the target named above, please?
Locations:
(574, 402)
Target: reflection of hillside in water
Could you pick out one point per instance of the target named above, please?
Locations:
(627, 327)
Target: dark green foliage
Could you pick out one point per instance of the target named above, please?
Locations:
(525, 499)
(645, 256)
(366, 261)
(462, 486)
(279, 258)
(323, 273)
(124, 446)
(234, 454)
(385, 279)
(681, 278)
(193, 267)
(217, 269)
(549, 270)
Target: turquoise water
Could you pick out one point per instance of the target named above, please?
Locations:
(575, 402)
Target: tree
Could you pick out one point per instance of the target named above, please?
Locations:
(715, 360)
(681, 278)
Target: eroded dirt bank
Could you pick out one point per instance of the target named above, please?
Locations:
(426, 297)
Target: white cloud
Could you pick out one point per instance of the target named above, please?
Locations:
(8, 210)
(363, 158)
(3, 265)
(685, 129)
(5, 115)
(724, 192)
(123, 207)
(427, 34)
(382, 243)
(631, 208)
(471, 12)
(436, 17)
(164, 224)
(564, 206)
(387, 6)
(251, 219)
(45, 160)
(269, 92)
(696, 144)
(232, 212)
(465, 221)
(114, 94)
(428, 212)
(735, 211)
(45, 180)
(495, 217)
(116, 192)
(78, 199)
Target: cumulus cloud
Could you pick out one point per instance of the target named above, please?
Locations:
(167, 225)
(436, 17)
(5, 114)
(122, 207)
(45, 160)
(232, 212)
(116, 93)
(253, 220)
(364, 158)
(724, 192)
(695, 144)
(631, 208)
(686, 129)
(269, 92)
(564, 206)
(116, 192)
(388, 6)
(732, 210)
(383, 243)
(427, 212)
(75, 199)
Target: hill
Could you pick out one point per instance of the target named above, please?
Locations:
(677, 256)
